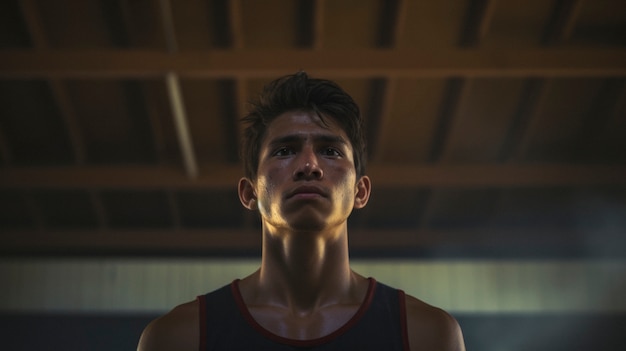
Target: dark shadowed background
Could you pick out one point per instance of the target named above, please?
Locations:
(497, 151)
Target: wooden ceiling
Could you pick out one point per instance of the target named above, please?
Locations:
(496, 128)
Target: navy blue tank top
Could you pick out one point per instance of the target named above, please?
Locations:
(378, 324)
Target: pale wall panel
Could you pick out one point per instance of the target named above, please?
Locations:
(151, 285)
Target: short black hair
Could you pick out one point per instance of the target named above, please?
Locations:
(299, 92)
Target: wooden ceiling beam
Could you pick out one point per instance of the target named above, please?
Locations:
(561, 22)
(175, 95)
(335, 63)
(30, 12)
(400, 21)
(223, 176)
(523, 120)
(180, 122)
(240, 90)
(455, 94)
(59, 91)
(477, 22)
(235, 23)
(318, 23)
(167, 22)
(557, 30)
(396, 29)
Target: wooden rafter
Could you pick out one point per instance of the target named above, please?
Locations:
(58, 89)
(472, 34)
(390, 83)
(525, 115)
(237, 43)
(114, 64)
(453, 95)
(180, 121)
(383, 134)
(167, 22)
(235, 24)
(143, 90)
(319, 20)
(562, 22)
(175, 95)
(400, 21)
(477, 23)
(557, 30)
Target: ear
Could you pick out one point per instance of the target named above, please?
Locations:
(363, 191)
(247, 194)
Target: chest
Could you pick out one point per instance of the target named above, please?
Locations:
(304, 326)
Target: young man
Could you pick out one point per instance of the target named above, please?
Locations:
(304, 157)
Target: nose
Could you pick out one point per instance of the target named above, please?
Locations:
(308, 168)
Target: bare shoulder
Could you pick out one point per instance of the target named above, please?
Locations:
(431, 328)
(177, 330)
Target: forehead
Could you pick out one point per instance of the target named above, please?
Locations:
(303, 123)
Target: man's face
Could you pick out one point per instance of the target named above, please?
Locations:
(306, 179)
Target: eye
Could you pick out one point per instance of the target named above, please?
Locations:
(283, 151)
(331, 151)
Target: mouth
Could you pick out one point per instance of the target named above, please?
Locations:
(307, 191)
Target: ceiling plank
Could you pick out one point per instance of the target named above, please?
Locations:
(226, 176)
(336, 63)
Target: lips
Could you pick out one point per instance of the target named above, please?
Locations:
(307, 189)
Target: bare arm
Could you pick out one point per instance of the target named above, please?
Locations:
(431, 328)
(177, 330)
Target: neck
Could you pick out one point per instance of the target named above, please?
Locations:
(305, 271)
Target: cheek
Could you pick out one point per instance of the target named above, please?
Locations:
(266, 187)
(346, 183)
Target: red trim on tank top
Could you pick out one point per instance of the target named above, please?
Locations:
(203, 320)
(304, 343)
(403, 321)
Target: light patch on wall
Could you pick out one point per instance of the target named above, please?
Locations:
(111, 285)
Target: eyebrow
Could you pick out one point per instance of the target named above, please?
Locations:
(294, 138)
